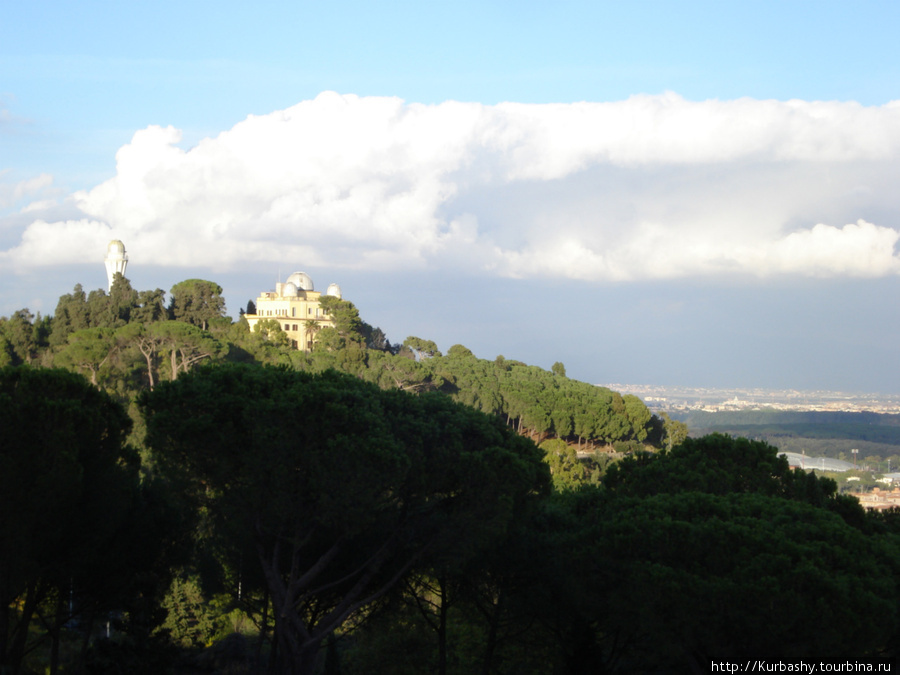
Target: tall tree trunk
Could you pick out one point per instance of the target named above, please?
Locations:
(55, 632)
(442, 627)
(491, 645)
(148, 357)
(264, 626)
(16, 650)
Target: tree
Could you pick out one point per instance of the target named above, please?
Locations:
(639, 417)
(339, 487)
(674, 432)
(558, 369)
(346, 319)
(147, 341)
(375, 338)
(196, 302)
(423, 349)
(151, 307)
(187, 345)
(460, 352)
(270, 330)
(7, 354)
(123, 301)
(88, 350)
(68, 485)
(18, 330)
(71, 314)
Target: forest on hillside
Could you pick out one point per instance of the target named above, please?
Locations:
(128, 340)
(182, 495)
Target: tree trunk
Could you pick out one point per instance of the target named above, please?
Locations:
(442, 628)
(12, 659)
(295, 658)
(491, 645)
(55, 631)
(264, 626)
(148, 357)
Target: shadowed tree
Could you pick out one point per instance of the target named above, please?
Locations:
(339, 486)
(68, 485)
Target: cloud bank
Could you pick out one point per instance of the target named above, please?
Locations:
(652, 187)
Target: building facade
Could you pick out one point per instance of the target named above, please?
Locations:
(295, 306)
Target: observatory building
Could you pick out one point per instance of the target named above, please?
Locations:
(295, 305)
(116, 260)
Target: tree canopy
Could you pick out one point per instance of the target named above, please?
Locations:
(68, 488)
(341, 487)
(197, 301)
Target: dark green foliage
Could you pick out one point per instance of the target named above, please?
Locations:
(68, 488)
(340, 486)
(696, 577)
(719, 464)
(712, 551)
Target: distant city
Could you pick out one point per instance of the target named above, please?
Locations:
(663, 398)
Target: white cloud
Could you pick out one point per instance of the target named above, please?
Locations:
(10, 193)
(649, 187)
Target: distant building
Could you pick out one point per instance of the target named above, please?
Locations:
(295, 306)
(878, 500)
(116, 260)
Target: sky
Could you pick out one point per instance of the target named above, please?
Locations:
(677, 193)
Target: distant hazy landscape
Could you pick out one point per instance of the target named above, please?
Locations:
(708, 399)
(817, 424)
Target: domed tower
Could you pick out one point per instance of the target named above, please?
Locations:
(302, 281)
(334, 290)
(116, 260)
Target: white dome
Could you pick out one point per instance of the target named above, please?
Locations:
(115, 249)
(301, 280)
(333, 289)
(289, 290)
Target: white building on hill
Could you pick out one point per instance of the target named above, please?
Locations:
(295, 306)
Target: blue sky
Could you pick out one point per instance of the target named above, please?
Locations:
(676, 193)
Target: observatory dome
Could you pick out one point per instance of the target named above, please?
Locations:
(301, 280)
(289, 290)
(334, 289)
(115, 249)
